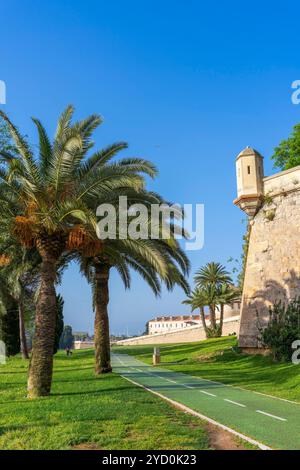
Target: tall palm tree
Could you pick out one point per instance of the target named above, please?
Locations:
(158, 260)
(53, 194)
(155, 260)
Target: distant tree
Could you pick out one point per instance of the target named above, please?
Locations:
(212, 274)
(9, 326)
(198, 300)
(226, 295)
(67, 338)
(80, 336)
(287, 154)
(215, 289)
(59, 326)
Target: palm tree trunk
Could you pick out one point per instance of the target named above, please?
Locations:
(102, 340)
(212, 316)
(221, 319)
(202, 315)
(41, 363)
(23, 342)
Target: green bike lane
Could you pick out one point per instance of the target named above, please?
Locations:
(268, 420)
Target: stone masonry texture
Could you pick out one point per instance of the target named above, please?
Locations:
(273, 266)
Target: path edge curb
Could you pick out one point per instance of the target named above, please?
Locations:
(199, 415)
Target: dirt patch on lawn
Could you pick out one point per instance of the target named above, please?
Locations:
(220, 439)
(86, 446)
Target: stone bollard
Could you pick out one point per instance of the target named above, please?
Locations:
(156, 356)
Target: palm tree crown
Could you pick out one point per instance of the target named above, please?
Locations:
(212, 274)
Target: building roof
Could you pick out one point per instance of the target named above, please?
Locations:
(177, 318)
(247, 152)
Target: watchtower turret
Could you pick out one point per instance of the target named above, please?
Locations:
(250, 174)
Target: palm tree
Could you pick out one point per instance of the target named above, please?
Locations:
(156, 261)
(9, 321)
(198, 299)
(211, 279)
(17, 280)
(212, 274)
(226, 295)
(19, 270)
(53, 194)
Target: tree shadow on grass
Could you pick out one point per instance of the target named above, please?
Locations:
(91, 392)
(244, 370)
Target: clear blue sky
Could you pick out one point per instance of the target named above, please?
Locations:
(187, 83)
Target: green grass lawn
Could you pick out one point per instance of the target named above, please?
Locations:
(104, 412)
(216, 360)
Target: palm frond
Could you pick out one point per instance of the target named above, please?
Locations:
(100, 158)
(45, 148)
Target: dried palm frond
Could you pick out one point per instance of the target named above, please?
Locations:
(80, 239)
(31, 208)
(23, 231)
(4, 260)
(77, 237)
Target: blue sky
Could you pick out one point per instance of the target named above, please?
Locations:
(187, 83)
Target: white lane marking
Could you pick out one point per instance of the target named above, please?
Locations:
(199, 415)
(235, 403)
(158, 376)
(242, 388)
(121, 362)
(172, 381)
(184, 385)
(271, 416)
(177, 383)
(207, 393)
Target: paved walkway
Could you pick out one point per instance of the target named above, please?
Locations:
(271, 421)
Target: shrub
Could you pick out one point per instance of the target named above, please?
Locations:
(214, 332)
(282, 330)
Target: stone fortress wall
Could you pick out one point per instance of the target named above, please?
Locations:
(273, 260)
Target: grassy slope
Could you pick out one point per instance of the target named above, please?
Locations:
(107, 411)
(215, 359)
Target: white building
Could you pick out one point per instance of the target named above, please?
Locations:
(171, 323)
(164, 324)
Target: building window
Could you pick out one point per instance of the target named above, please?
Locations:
(249, 170)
